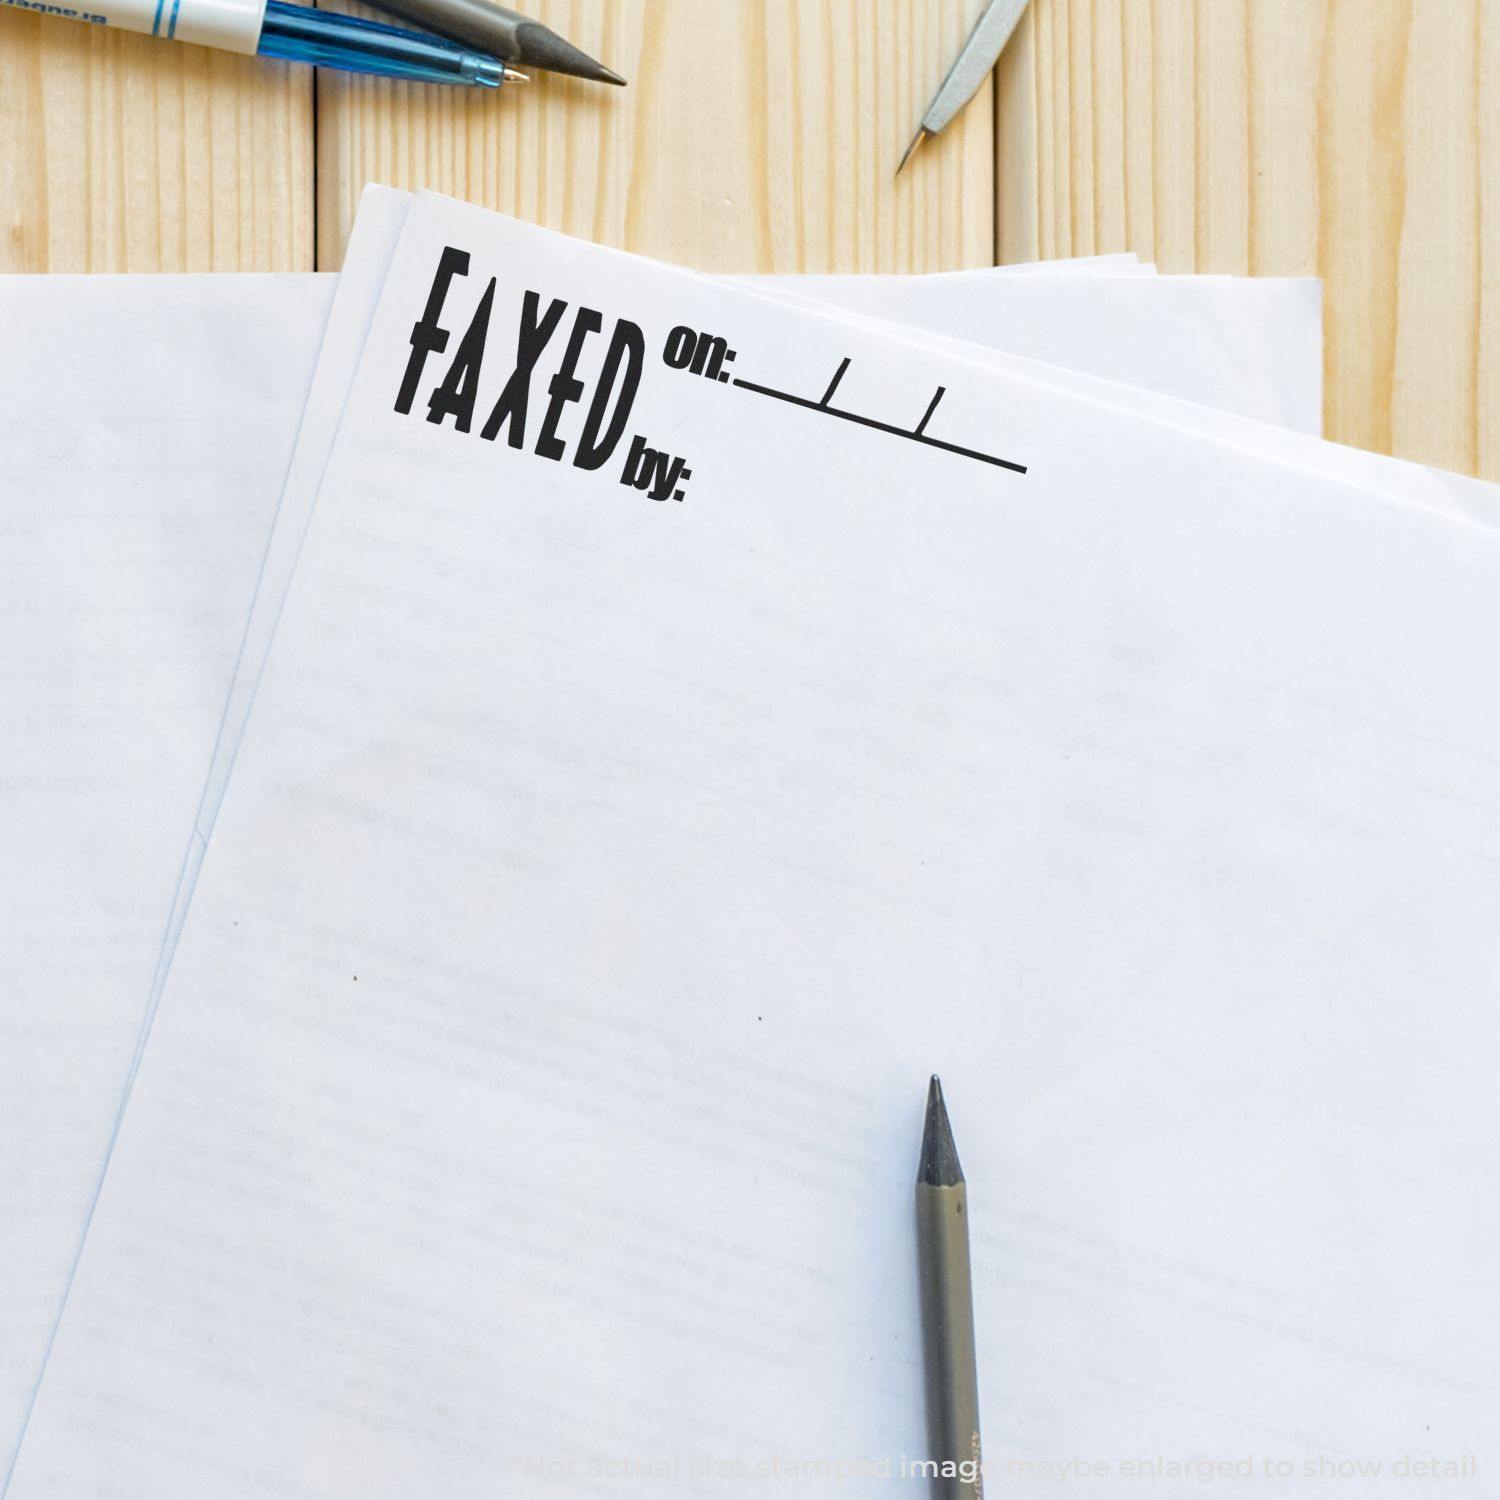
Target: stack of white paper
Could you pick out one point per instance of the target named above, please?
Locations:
(674, 719)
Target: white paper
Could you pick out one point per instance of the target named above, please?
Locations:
(1249, 345)
(1290, 344)
(145, 426)
(131, 329)
(539, 1074)
(382, 211)
(1457, 495)
(366, 257)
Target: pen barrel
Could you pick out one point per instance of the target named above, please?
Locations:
(298, 33)
(232, 25)
(948, 1341)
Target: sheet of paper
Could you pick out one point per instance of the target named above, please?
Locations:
(366, 258)
(1456, 495)
(124, 1020)
(537, 1082)
(365, 261)
(1249, 345)
(145, 426)
(120, 321)
(382, 210)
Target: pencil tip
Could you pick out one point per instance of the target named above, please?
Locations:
(938, 1165)
(541, 47)
(916, 141)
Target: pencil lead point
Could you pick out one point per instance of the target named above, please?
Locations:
(541, 47)
(938, 1165)
(916, 141)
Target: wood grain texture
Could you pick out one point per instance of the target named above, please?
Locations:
(755, 135)
(1358, 140)
(125, 153)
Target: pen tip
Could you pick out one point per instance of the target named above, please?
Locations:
(938, 1165)
(916, 141)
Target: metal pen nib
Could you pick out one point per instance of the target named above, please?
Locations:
(910, 151)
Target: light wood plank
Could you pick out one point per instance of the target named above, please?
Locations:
(1016, 189)
(1046, 147)
(1284, 46)
(1058, 66)
(126, 153)
(1110, 178)
(755, 135)
(1437, 270)
(1355, 139)
(1080, 84)
(1139, 117)
(1174, 133)
(1222, 144)
(1487, 356)
(1015, 117)
(1362, 200)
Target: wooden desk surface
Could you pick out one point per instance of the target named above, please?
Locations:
(1351, 139)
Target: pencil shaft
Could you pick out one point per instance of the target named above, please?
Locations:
(948, 1339)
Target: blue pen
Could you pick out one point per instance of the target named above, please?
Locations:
(300, 34)
(296, 33)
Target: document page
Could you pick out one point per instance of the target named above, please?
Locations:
(1252, 345)
(641, 801)
(102, 315)
(1290, 344)
(145, 427)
